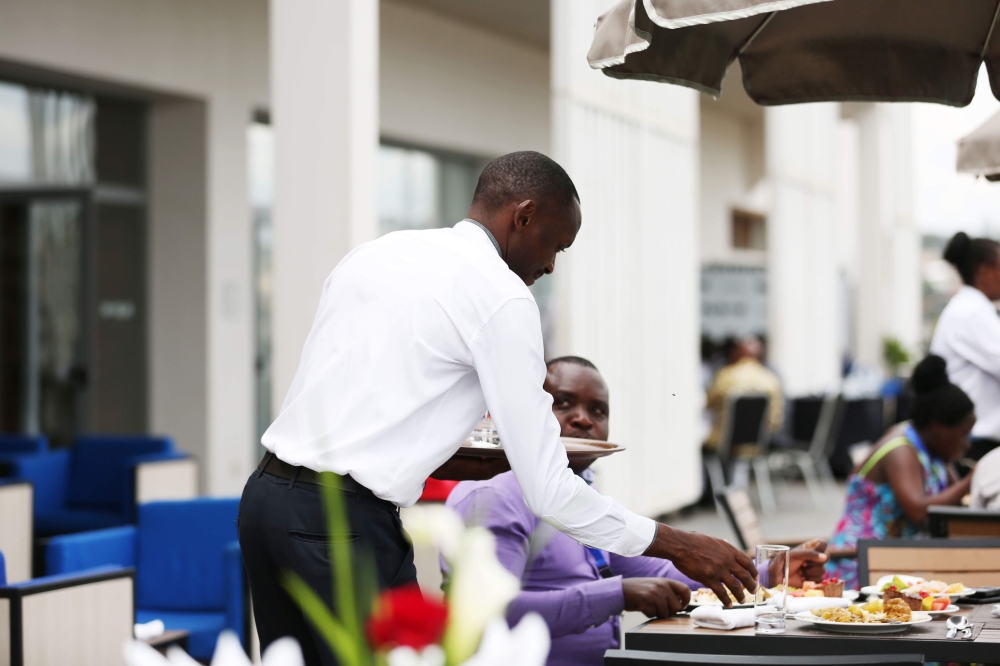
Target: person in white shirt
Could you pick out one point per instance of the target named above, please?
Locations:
(417, 335)
(986, 482)
(968, 334)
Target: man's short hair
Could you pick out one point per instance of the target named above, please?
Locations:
(572, 360)
(523, 175)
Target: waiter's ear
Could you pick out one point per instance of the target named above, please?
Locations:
(523, 212)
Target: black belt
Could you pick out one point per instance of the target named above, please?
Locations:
(274, 466)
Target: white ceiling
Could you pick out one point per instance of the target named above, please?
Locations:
(524, 20)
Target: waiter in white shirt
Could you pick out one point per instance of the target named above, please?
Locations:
(968, 335)
(417, 335)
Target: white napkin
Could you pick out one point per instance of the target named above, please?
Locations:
(143, 632)
(716, 617)
(800, 604)
(996, 610)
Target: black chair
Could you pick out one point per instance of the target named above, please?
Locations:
(958, 522)
(640, 658)
(743, 445)
(974, 562)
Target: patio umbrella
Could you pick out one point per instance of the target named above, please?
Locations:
(979, 152)
(794, 51)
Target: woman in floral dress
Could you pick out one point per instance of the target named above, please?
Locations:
(909, 472)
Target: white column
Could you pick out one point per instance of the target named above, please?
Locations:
(324, 102)
(627, 292)
(805, 331)
(888, 239)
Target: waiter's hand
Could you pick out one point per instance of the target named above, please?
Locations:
(471, 469)
(712, 562)
(656, 597)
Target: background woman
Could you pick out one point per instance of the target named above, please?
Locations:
(968, 334)
(889, 495)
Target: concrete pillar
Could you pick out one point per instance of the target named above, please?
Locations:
(627, 292)
(324, 104)
(803, 272)
(888, 239)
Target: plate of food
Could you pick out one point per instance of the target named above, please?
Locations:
(874, 617)
(913, 589)
(706, 597)
(576, 449)
(830, 587)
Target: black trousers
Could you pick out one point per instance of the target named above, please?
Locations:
(282, 527)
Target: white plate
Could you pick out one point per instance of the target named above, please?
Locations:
(716, 602)
(874, 591)
(858, 627)
(850, 595)
(947, 611)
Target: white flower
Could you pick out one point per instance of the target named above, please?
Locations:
(435, 525)
(527, 645)
(479, 591)
(432, 655)
(228, 652)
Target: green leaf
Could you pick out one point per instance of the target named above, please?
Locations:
(343, 644)
(341, 557)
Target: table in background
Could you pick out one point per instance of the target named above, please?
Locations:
(178, 637)
(801, 640)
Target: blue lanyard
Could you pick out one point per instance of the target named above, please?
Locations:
(600, 561)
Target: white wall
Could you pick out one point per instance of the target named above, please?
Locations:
(456, 86)
(627, 291)
(215, 53)
(803, 270)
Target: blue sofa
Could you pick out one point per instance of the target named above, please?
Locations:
(89, 486)
(19, 445)
(189, 569)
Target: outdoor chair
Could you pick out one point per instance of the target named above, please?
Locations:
(812, 458)
(743, 447)
(973, 562)
(16, 536)
(19, 445)
(957, 522)
(641, 658)
(188, 567)
(54, 620)
(99, 480)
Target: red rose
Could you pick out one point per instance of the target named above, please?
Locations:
(403, 616)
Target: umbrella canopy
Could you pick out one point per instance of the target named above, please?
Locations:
(795, 51)
(979, 152)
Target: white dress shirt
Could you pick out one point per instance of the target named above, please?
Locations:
(417, 334)
(985, 488)
(967, 337)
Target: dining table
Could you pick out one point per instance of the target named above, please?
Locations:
(801, 639)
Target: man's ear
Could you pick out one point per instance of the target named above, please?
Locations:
(523, 212)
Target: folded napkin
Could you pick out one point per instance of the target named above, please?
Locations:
(996, 611)
(800, 604)
(716, 617)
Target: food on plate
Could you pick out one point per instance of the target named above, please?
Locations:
(705, 596)
(873, 612)
(923, 595)
(830, 587)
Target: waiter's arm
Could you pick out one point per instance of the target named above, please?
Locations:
(507, 354)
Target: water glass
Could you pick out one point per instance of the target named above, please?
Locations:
(771, 598)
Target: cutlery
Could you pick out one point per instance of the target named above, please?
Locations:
(955, 624)
(967, 633)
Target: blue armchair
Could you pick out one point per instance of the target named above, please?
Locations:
(90, 486)
(189, 569)
(19, 445)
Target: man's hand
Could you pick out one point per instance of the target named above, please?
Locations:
(806, 562)
(712, 562)
(460, 468)
(656, 597)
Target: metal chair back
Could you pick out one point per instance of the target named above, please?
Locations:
(831, 416)
(642, 658)
(973, 562)
(744, 421)
(736, 504)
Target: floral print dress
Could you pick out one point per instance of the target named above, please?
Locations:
(872, 510)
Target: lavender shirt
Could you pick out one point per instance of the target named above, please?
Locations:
(559, 578)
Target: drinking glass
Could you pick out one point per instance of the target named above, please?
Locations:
(771, 598)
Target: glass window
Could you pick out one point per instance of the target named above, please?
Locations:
(260, 179)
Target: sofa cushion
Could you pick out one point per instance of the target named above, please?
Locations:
(66, 521)
(99, 464)
(204, 627)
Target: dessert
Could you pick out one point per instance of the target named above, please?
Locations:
(925, 595)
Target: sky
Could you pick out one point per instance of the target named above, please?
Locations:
(947, 201)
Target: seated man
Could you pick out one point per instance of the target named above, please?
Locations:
(744, 374)
(578, 590)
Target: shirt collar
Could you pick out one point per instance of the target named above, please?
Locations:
(489, 234)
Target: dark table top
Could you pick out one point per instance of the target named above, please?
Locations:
(801, 639)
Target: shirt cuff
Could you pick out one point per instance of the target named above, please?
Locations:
(605, 599)
(638, 535)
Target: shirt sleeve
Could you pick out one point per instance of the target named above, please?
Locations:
(649, 567)
(507, 354)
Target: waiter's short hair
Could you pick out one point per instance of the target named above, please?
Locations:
(572, 360)
(523, 175)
